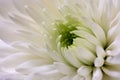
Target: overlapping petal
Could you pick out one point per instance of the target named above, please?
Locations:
(60, 40)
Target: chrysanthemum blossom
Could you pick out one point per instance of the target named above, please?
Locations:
(60, 39)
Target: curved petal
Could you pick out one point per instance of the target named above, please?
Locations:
(15, 59)
(7, 76)
(7, 33)
(71, 58)
(85, 56)
(97, 30)
(113, 60)
(6, 7)
(48, 75)
(111, 73)
(84, 71)
(64, 68)
(30, 65)
(97, 74)
(106, 77)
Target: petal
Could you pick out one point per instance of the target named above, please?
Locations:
(6, 32)
(112, 73)
(85, 35)
(85, 56)
(97, 30)
(52, 7)
(15, 59)
(78, 77)
(6, 7)
(50, 75)
(29, 66)
(115, 20)
(64, 68)
(23, 20)
(97, 74)
(98, 62)
(106, 77)
(37, 15)
(41, 52)
(113, 59)
(66, 78)
(100, 51)
(7, 76)
(19, 5)
(71, 58)
(114, 32)
(55, 56)
(84, 71)
(84, 43)
(6, 50)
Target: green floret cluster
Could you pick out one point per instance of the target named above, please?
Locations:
(65, 29)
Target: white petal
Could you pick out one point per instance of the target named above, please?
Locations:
(97, 30)
(113, 59)
(64, 68)
(13, 60)
(106, 77)
(55, 56)
(114, 32)
(85, 56)
(41, 52)
(52, 7)
(99, 62)
(40, 17)
(84, 71)
(29, 66)
(115, 20)
(6, 7)
(100, 52)
(44, 68)
(85, 35)
(6, 50)
(97, 74)
(78, 77)
(7, 33)
(51, 75)
(35, 14)
(23, 20)
(112, 73)
(70, 57)
(7, 76)
(20, 5)
(84, 43)
(66, 78)
(113, 49)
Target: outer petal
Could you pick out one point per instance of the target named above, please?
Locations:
(64, 68)
(97, 74)
(6, 7)
(7, 76)
(6, 31)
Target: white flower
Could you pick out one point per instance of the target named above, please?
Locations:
(60, 39)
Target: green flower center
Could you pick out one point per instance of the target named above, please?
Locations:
(65, 29)
(67, 39)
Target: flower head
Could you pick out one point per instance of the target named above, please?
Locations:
(61, 40)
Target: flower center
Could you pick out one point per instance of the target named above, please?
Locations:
(65, 30)
(67, 39)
